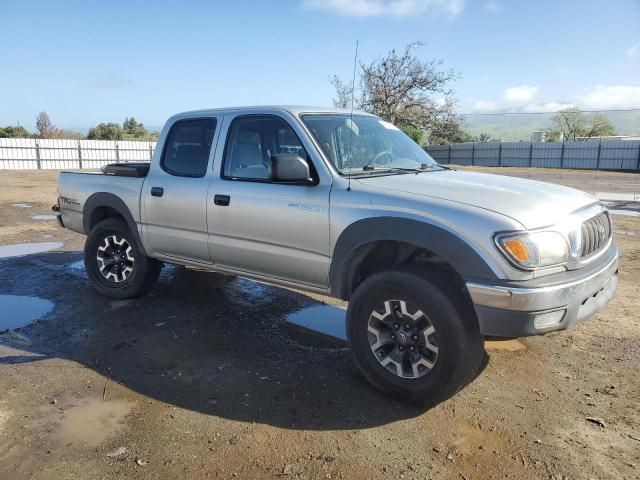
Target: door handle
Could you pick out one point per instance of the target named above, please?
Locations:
(157, 191)
(222, 200)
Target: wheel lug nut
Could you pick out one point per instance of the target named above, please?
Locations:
(396, 326)
(412, 348)
(415, 337)
(406, 326)
(393, 337)
(401, 348)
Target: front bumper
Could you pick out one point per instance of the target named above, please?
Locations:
(511, 310)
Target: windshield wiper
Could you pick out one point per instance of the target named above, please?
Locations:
(424, 167)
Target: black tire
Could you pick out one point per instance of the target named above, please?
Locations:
(134, 274)
(456, 336)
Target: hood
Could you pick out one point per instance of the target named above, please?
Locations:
(533, 204)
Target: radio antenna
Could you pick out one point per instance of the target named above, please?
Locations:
(353, 94)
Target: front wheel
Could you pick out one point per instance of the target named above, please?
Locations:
(115, 263)
(413, 337)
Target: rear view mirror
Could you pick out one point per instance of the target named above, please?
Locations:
(290, 168)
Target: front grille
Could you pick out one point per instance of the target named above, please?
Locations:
(595, 234)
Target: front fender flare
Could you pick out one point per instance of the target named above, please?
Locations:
(449, 246)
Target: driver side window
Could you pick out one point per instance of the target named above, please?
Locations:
(251, 142)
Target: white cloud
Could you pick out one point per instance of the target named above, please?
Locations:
(492, 6)
(551, 106)
(633, 52)
(484, 106)
(394, 8)
(520, 94)
(602, 97)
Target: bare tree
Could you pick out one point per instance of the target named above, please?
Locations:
(343, 94)
(44, 127)
(404, 90)
(574, 124)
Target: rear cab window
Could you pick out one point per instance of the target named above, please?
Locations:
(187, 148)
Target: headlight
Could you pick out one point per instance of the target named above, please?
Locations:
(531, 250)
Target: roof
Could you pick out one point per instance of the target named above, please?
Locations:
(293, 109)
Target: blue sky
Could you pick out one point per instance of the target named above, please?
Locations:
(86, 62)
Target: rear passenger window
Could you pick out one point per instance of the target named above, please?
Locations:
(186, 151)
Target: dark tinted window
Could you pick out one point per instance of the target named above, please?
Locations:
(251, 142)
(187, 148)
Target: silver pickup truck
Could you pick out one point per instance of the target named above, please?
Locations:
(430, 259)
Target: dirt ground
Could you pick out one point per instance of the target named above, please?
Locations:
(201, 379)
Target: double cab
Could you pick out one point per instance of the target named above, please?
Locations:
(430, 259)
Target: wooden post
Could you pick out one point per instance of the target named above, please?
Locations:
(449, 157)
(500, 154)
(473, 152)
(38, 154)
(530, 154)
(117, 152)
(150, 151)
(79, 155)
(562, 155)
(598, 158)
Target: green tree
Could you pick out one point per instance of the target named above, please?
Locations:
(449, 130)
(106, 131)
(14, 132)
(134, 129)
(573, 124)
(414, 133)
(44, 127)
(485, 137)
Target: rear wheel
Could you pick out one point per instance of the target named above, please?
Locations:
(413, 337)
(115, 263)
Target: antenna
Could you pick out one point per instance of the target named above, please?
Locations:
(353, 93)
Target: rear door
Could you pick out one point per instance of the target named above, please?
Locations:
(264, 228)
(174, 196)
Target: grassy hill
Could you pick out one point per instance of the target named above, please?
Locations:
(519, 127)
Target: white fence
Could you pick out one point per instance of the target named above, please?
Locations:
(34, 154)
(593, 154)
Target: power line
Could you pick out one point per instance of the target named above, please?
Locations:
(550, 113)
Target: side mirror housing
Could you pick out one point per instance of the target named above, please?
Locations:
(290, 168)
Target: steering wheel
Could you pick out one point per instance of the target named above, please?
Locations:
(378, 156)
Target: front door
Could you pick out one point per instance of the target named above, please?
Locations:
(174, 196)
(265, 228)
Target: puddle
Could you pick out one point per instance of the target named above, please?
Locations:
(18, 311)
(44, 217)
(77, 268)
(22, 205)
(318, 326)
(20, 249)
(91, 421)
(505, 345)
(626, 213)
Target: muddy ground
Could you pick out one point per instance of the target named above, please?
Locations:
(203, 378)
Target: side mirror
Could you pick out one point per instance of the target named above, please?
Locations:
(290, 168)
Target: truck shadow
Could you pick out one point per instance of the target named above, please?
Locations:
(199, 341)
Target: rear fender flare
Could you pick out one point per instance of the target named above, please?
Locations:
(105, 199)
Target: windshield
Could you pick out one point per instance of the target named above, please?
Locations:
(366, 144)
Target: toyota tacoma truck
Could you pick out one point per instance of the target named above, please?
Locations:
(430, 259)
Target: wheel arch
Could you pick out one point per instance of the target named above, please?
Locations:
(103, 205)
(384, 238)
